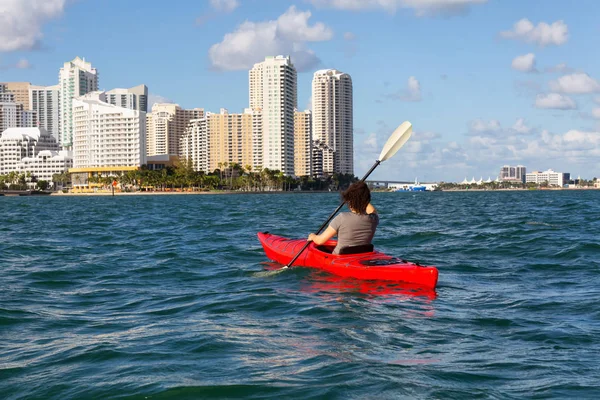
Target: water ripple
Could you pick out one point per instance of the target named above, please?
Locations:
(158, 297)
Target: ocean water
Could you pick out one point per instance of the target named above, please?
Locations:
(162, 297)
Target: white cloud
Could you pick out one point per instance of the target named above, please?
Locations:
(555, 101)
(21, 64)
(576, 84)
(414, 89)
(371, 141)
(156, 98)
(480, 126)
(21, 22)
(411, 93)
(596, 113)
(349, 36)
(421, 7)
(524, 63)
(560, 68)
(543, 34)
(520, 126)
(225, 6)
(287, 35)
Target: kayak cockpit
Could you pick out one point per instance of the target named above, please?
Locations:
(330, 246)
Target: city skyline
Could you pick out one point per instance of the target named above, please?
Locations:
(484, 83)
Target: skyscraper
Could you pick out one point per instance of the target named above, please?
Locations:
(45, 101)
(273, 90)
(515, 174)
(135, 98)
(107, 136)
(20, 91)
(76, 78)
(333, 119)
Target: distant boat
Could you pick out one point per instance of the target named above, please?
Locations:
(417, 187)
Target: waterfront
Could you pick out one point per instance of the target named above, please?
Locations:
(158, 297)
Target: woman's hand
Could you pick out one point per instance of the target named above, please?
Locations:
(311, 237)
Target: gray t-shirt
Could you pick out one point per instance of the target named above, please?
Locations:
(354, 229)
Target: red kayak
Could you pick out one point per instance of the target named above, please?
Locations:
(368, 266)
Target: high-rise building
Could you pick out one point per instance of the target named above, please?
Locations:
(166, 125)
(193, 145)
(332, 115)
(135, 98)
(107, 137)
(45, 101)
(21, 92)
(513, 174)
(273, 90)
(12, 113)
(76, 78)
(303, 143)
(220, 139)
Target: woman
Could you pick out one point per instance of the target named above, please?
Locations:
(355, 228)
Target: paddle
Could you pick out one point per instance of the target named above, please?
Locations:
(398, 138)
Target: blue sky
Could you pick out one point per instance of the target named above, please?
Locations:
(484, 83)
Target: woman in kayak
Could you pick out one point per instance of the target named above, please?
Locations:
(354, 229)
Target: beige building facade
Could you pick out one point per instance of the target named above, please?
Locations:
(303, 143)
(166, 125)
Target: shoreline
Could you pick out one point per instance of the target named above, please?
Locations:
(185, 193)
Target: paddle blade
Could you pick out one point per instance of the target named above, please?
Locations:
(396, 141)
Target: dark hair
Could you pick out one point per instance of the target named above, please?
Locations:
(357, 196)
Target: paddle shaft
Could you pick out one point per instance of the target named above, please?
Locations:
(331, 216)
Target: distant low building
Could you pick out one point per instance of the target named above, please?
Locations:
(552, 177)
(45, 164)
(32, 150)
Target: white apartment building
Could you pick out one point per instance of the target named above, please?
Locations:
(303, 143)
(17, 144)
(45, 101)
(273, 90)
(553, 178)
(76, 78)
(46, 163)
(193, 144)
(257, 137)
(106, 136)
(332, 102)
(135, 98)
(10, 113)
(322, 157)
(166, 125)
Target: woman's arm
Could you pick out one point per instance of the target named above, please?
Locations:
(371, 209)
(323, 237)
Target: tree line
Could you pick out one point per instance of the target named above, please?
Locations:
(229, 176)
